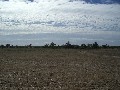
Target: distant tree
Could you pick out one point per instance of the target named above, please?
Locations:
(83, 46)
(89, 45)
(12, 46)
(75, 46)
(46, 45)
(105, 46)
(52, 44)
(68, 45)
(16, 46)
(95, 45)
(7, 45)
(30, 46)
(2, 46)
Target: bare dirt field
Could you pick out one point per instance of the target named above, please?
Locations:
(59, 69)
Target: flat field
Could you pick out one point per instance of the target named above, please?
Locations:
(59, 69)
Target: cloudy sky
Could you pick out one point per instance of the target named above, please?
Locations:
(42, 21)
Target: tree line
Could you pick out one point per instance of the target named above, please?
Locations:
(68, 45)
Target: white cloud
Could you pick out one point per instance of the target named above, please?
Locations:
(58, 16)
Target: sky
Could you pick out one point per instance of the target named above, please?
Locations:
(44, 21)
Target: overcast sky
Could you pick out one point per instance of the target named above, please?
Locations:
(43, 21)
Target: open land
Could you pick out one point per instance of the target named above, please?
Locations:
(59, 69)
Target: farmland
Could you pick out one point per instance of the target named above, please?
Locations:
(59, 69)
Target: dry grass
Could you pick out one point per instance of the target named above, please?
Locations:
(59, 69)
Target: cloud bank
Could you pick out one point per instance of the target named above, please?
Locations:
(22, 17)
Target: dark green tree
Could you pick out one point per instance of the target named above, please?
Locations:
(52, 44)
(95, 45)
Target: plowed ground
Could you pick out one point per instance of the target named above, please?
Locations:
(59, 69)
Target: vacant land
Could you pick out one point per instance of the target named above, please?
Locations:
(59, 69)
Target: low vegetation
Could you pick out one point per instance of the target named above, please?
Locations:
(95, 45)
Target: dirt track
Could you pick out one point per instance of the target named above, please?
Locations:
(59, 69)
